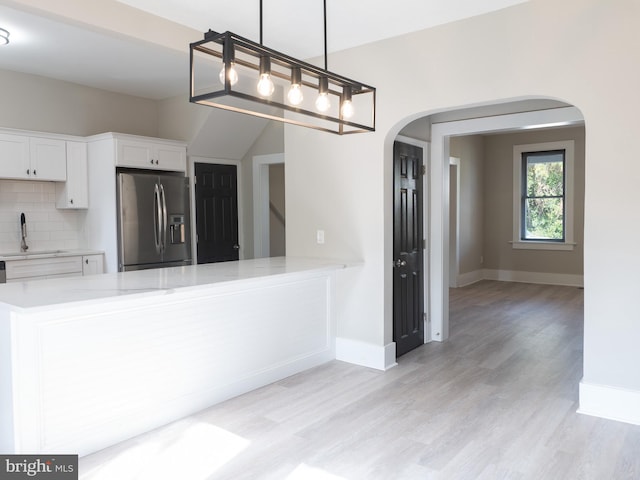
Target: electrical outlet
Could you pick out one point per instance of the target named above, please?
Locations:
(320, 237)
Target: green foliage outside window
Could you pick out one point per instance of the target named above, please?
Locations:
(543, 203)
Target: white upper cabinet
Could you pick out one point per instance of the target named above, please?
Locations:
(150, 155)
(74, 193)
(48, 159)
(32, 158)
(14, 156)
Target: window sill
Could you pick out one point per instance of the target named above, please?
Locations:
(541, 245)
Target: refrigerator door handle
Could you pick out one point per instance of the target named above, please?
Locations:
(164, 218)
(157, 218)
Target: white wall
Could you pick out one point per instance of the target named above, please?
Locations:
(470, 151)
(577, 51)
(47, 105)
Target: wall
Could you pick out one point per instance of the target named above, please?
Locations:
(47, 105)
(498, 185)
(47, 227)
(583, 59)
(178, 119)
(470, 151)
(454, 168)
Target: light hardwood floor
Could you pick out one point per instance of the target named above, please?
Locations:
(497, 401)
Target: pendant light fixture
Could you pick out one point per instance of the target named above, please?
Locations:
(233, 73)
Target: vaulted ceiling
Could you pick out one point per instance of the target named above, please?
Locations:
(70, 40)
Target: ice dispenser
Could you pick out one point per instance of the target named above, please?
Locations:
(176, 229)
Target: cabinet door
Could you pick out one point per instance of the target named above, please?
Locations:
(38, 268)
(74, 193)
(171, 157)
(48, 159)
(92, 264)
(151, 155)
(14, 156)
(131, 153)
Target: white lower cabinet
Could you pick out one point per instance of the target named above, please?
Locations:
(41, 268)
(92, 264)
(53, 267)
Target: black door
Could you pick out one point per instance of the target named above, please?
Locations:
(408, 281)
(216, 212)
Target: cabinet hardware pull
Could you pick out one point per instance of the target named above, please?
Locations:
(34, 171)
(87, 261)
(28, 171)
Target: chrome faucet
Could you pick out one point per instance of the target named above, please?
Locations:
(23, 227)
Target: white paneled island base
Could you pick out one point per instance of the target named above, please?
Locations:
(88, 362)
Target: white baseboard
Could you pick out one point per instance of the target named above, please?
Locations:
(366, 354)
(468, 278)
(534, 277)
(610, 402)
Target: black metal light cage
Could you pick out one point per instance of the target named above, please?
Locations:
(213, 86)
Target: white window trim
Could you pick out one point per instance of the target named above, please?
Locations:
(569, 147)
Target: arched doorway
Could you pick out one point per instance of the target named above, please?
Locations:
(437, 129)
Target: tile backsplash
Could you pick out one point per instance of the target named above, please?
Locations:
(47, 227)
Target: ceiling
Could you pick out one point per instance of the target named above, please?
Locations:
(50, 45)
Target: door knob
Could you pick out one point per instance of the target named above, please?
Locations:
(237, 247)
(400, 263)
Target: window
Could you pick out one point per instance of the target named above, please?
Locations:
(543, 196)
(542, 204)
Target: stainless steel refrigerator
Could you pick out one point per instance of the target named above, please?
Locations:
(153, 220)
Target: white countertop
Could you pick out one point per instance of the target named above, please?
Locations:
(9, 256)
(162, 281)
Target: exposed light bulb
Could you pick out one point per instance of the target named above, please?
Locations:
(265, 85)
(233, 75)
(295, 94)
(295, 91)
(347, 109)
(322, 102)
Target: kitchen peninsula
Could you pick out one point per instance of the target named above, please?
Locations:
(88, 362)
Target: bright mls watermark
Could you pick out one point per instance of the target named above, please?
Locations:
(50, 467)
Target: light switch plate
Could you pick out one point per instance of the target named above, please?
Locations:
(320, 236)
